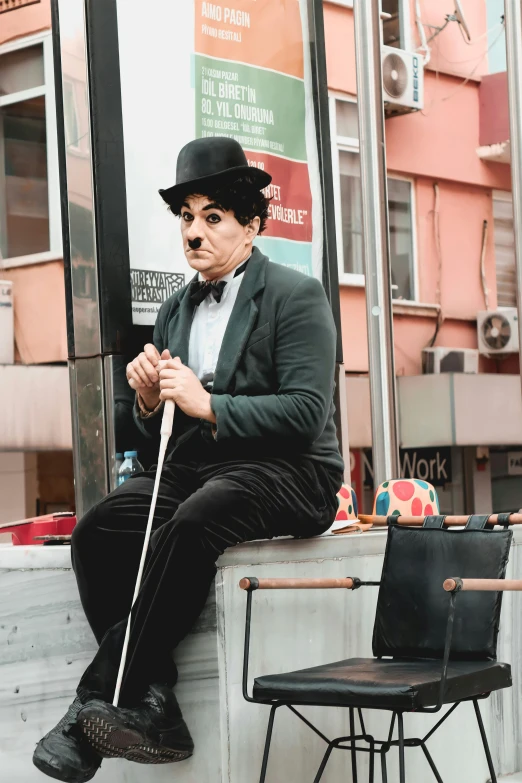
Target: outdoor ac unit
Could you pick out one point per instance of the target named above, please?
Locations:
(402, 80)
(498, 331)
(437, 360)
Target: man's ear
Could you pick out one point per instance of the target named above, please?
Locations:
(252, 229)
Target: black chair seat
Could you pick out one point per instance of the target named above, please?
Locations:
(383, 684)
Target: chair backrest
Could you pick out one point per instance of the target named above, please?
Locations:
(412, 608)
(407, 497)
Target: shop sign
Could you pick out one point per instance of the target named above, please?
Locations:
(514, 463)
(433, 465)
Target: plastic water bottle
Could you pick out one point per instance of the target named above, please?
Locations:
(130, 465)
(118, 462)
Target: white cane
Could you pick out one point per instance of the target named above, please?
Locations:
(166, 432)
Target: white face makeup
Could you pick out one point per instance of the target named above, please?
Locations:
(214, 242)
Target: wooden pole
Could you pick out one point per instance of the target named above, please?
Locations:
(298, 584)
(489, 585)
(450, 521)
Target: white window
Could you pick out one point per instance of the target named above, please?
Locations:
(396, 29)
(30, 227)
(347, 187)
(504, 249)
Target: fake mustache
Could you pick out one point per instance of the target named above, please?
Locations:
(194, 244)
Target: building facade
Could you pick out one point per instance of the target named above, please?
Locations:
(451, 242)
(35, 430)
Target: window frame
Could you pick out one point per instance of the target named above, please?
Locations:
(507, 197)
(46, 91)
(404, 22)
(345, 3)
(348, 144)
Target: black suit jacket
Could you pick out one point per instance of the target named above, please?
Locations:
(274, 380)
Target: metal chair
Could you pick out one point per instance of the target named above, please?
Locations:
(430, 650)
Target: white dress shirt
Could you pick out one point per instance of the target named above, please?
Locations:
(209, 325)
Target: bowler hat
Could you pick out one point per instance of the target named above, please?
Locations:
(208, 161)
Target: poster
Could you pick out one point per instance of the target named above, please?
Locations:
(237, 68)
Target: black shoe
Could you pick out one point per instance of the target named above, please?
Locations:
(63, 753)
(153, 733)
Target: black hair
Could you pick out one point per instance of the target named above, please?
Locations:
(241, 195)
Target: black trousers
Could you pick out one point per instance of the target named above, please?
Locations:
(206, 503)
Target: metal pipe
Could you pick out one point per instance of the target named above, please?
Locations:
(513, 22)
(374, 189)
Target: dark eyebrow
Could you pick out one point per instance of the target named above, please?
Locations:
(214, 205)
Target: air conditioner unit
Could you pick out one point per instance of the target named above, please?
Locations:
(402, 81)
(437, 360)
(498, 331)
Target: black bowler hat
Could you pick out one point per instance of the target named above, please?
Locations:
(206, 162)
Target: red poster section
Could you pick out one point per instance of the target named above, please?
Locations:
(291, 197)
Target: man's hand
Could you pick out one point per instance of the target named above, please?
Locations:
(178, 383)
(143, 375)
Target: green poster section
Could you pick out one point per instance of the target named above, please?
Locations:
(262, 109)
(296, 255)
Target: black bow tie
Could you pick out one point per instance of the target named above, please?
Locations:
(200, 289)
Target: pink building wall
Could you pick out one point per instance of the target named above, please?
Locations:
(39, 306)
(435, 147)
(494, 104)
(25, 21)
(450, 53)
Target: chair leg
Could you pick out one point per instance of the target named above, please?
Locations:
(431, 763)
(372, 761)
(267, 743)
(353, 751)
(402, 770)
(384, 770)
(324, 762)
(485, 742)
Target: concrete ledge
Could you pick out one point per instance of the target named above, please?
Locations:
(45, 644)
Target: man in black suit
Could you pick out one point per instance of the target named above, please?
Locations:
(247, 353)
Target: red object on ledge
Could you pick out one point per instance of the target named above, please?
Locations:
(25, 531)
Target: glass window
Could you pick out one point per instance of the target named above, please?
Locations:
(25, 178)
(505, 250)
(401, 237)
(349, 209)
(347, 119)
(391, 28)
(351, 217)
(21, 70)
(24, 196)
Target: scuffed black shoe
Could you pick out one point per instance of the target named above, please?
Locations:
(63, 754)
(153, 733)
